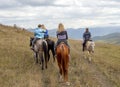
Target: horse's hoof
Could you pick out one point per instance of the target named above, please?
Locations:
(90, 59)
(67, 83)
(42, 68)
(60, 79)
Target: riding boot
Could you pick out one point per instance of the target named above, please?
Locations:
(83, 49)
(33, 42)
(32, 47)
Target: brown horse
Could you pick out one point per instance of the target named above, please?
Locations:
(62, 52)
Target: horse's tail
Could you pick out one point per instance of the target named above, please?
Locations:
(62, 55)
(64, 51)
(64, 58)
(53, 48)
(45, 49)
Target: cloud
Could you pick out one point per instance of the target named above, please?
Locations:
(37, 2)
(8, 4)
(73, 13)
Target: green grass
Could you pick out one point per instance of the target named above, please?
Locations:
(18, 68)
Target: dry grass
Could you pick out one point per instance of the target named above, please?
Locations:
(17, 67)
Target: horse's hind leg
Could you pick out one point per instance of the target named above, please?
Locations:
(53, 53)
(60, 70)
(36, 57)
(89, 56)
(46, 60)
(60, 73)
(42, 60)
(65, 70)
(48, 55)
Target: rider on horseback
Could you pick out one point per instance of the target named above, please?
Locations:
(38, 34)
(46, 36)
(62, 35)
(86, 37)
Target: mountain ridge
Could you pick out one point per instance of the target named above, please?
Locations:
(113, 38)
(78, 32)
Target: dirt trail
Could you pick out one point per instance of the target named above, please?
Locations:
(96, 73)
(49, 77)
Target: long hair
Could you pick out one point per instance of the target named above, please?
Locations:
(43, 26)
(60, 27)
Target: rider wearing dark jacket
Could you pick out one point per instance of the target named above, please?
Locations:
(86, 37)
(62, 35)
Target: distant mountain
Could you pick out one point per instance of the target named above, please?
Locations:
(78, 33)
(113, 38)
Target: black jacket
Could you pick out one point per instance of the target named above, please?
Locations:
(62, 35)
(87, 36)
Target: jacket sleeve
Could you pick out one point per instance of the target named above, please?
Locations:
(66, 35)
(84, 36)
(47, 32)
(44, 31)
(57, 34)
(90, 35)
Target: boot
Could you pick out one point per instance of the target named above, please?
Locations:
(32, 47)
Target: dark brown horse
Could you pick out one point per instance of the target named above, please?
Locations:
(51, 45)
(62, 52)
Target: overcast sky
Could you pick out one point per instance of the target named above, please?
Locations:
(72, 13)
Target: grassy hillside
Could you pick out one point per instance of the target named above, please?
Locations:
(113, 38)
(18, 69)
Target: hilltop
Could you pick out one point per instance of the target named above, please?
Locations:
(18, 69)
(113, 38)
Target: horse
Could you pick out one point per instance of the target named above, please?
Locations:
(89, 48)
(40, 50)
(51, 45)
(62, 52)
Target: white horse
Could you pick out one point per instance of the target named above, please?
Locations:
(40, 50)
(89, 48)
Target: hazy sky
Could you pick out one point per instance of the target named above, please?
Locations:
(72, 13)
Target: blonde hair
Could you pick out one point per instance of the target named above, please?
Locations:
(60, 27)
(43, 26)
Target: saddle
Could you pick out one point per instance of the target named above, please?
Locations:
(31, 40)
(65, 44)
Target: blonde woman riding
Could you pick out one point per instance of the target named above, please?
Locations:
(62, 35)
